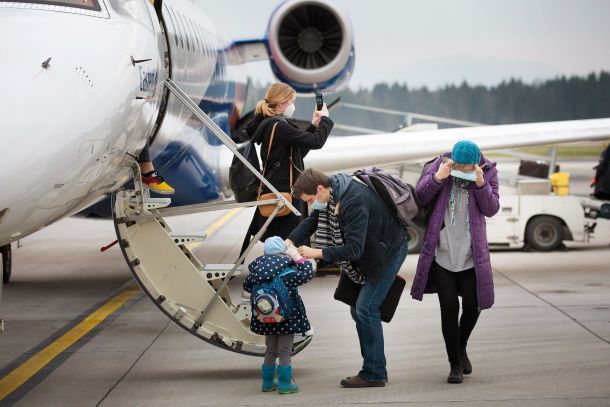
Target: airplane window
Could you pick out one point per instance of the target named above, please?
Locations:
(86, 4)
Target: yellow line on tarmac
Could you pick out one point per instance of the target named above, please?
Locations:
(16, 378)
(23, 373)
(215, 226)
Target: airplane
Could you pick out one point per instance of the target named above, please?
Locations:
(86, 84)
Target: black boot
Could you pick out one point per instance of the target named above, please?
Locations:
(456, 374)
(466, 362)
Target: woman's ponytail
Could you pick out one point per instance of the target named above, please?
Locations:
(276, 94)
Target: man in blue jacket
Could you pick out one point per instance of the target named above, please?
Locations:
(370, 245)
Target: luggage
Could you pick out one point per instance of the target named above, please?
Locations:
(347, 292)
(536, 169)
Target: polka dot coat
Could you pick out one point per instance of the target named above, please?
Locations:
(263, 269)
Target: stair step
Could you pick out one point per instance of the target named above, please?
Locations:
(216, 271)
(156, 203)
(189, 237)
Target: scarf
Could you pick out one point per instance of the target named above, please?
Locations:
(329, 234)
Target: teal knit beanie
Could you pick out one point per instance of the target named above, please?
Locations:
(466, 152)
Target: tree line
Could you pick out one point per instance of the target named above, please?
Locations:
(512, 101)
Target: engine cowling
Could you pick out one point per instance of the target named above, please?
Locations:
(310, 43)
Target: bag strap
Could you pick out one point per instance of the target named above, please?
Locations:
(286, 272)
(260, 187)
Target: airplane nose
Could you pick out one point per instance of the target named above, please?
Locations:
(71, 108)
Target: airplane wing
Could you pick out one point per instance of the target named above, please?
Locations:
(352, 152)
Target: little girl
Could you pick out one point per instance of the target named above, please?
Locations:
(280, 336)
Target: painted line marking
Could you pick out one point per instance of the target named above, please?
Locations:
(23, 373)
(213, 228)
(20, 375)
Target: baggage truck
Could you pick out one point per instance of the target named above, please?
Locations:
(532, 217)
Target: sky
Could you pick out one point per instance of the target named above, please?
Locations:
(436, 42)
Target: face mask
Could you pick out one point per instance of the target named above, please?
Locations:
(319, 205)
(289, 111)
(468, 176)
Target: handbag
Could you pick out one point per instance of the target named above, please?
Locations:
(347, 292)
(267, 210)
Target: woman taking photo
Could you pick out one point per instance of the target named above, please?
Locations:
(461, 189)
(283, 161)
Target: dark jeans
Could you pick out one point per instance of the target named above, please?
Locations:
(368, 320)
(144, 155)
(449, 285)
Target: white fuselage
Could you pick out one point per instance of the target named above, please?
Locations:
(69, 131)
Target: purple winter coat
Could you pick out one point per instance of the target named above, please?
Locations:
(483, 202)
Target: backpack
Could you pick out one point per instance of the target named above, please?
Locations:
(271, 301)
(423, 211)
(398, 196)
(241, 180)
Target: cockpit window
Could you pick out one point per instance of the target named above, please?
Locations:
(84, 4)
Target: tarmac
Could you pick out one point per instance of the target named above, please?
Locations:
(546, 341)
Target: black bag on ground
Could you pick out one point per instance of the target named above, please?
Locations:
(347, 292)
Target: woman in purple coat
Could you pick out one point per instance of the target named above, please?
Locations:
(461, 189)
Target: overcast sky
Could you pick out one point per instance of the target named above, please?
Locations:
(435, 42)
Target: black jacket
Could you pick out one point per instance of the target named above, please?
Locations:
(287, 135)
(370, 233)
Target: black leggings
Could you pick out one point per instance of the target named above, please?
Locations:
(449, 285)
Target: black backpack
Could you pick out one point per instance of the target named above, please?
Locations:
(241, 180)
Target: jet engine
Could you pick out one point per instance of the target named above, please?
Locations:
(310, 44)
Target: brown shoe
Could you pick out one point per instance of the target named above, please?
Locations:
(358, 382)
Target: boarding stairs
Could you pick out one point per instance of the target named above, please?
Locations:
(189, 292)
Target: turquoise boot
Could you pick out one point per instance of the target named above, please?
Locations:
(269, 382)
(284, 374)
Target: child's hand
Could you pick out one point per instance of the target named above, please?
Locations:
(293, 253)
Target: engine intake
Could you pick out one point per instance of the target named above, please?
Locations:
(310, 43)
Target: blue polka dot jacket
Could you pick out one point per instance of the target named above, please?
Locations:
(263, 269)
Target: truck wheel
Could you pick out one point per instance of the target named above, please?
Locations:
(544, 233)
(6, 262)
(416, 238)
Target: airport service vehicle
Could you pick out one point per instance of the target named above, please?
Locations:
(531, 217)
